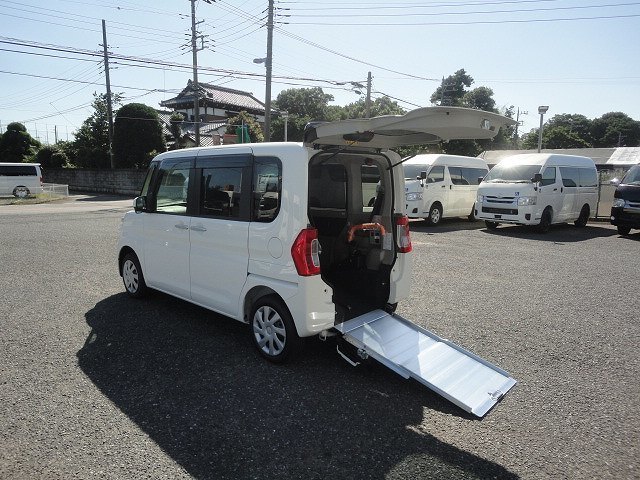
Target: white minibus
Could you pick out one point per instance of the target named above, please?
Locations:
(20, 179)
(440, 186)
(539, 189)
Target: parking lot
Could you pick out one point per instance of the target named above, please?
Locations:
(94, 384)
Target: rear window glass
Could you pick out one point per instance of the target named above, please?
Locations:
(18, 170)
(588, 177)
(221, 191)
(267, 189)
(570, 176)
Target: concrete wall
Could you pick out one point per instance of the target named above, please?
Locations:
(119, 181)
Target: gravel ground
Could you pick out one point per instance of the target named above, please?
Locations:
(96, 385)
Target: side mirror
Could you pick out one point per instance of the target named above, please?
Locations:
(615, 182)
(423, 176)
(537, 178)
(140, 204)
(480, 179)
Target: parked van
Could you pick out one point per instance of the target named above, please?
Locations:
(442, 186)
(625, 211)
(20, 179)
(539, 189)
(285, 237)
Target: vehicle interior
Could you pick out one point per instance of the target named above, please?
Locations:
(353, 216)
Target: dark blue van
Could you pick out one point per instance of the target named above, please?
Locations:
(625, 212)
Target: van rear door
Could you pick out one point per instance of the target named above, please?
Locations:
(417, 127)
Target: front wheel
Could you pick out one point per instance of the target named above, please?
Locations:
(545, 221)
(623, 229)
(273, 331)
(132, 276)
(435, 215)
(491, 225)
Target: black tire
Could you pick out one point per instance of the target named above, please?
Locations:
(624, 229)
(583, 218)
(435, 214)
(21, 192)
(472, 215)
(545, 221)
(273, 331)
(132, 276)
(491, 225)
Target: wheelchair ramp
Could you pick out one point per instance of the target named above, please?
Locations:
(465, 379)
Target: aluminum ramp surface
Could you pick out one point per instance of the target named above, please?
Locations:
(465, 379)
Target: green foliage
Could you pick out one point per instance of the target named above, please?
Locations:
(614, 128)
(303, 105)
(16, 145)
(380, 106)
(52, 156)
(137, 136)
(243, 118)
(175, 121)
(480, 98)
(91, 144)
(452, 89)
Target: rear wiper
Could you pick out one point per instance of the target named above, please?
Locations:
(402, 161)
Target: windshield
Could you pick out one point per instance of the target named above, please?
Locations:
(512, 173)
(632, 177)
(412, 171)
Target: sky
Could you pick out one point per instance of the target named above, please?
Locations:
(579, 57)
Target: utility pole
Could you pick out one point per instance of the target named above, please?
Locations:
(367, 104)
(194, 48)
(268, 63)
(518, 123)
(109, 107)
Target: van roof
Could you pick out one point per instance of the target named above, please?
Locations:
(444, 159)
(18, 164)
(550, 159)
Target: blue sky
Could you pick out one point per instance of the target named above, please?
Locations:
(576, 57)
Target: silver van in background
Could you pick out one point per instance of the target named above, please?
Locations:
(20, 179)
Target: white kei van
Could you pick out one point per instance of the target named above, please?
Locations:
(442, 186)
(284, 237)
(539, 189)
(20, 179)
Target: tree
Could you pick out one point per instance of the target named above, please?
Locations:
(243, 118)
(380, 106)
(554, 136)
(175, 123)
(91, 142)
(615, 129)
(16, 144)
(480, 98)
(577, 124)
(137, 136)
(452, 89)
(303, 105)
(52, 156)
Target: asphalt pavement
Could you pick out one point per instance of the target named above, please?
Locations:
(94, 384)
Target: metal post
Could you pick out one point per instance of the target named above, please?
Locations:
(285, 115)
(267, 95)
(196, 100)
(368, 100)
(109, 106)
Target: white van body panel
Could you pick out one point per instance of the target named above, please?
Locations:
(498, 201)
(454, 198)
(16, 177)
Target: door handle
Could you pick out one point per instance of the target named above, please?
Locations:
(555, 189)
(444, 186)
(182, 226)
(198, 228)
(561, 189)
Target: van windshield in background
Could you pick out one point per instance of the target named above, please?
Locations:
(411, 172)
(512, 173)
(632, 177)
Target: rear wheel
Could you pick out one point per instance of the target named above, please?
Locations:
(132, 276)
(21, 192)
(491, 225)
(623, 229)
(583, 218)
(545, 221)
(273, 331)
(435, 214)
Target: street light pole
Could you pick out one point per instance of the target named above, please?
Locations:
(267, 99)
(285, 116)
(542, 109)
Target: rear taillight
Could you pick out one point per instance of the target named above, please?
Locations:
(306, 252)
(404, 239)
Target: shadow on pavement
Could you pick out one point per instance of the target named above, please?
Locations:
(559, 233)
(100, 197)
(192, 381)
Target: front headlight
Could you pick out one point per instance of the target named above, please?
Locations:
(618, 202)
(522, 201)
(414, 196)
(479, 199)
